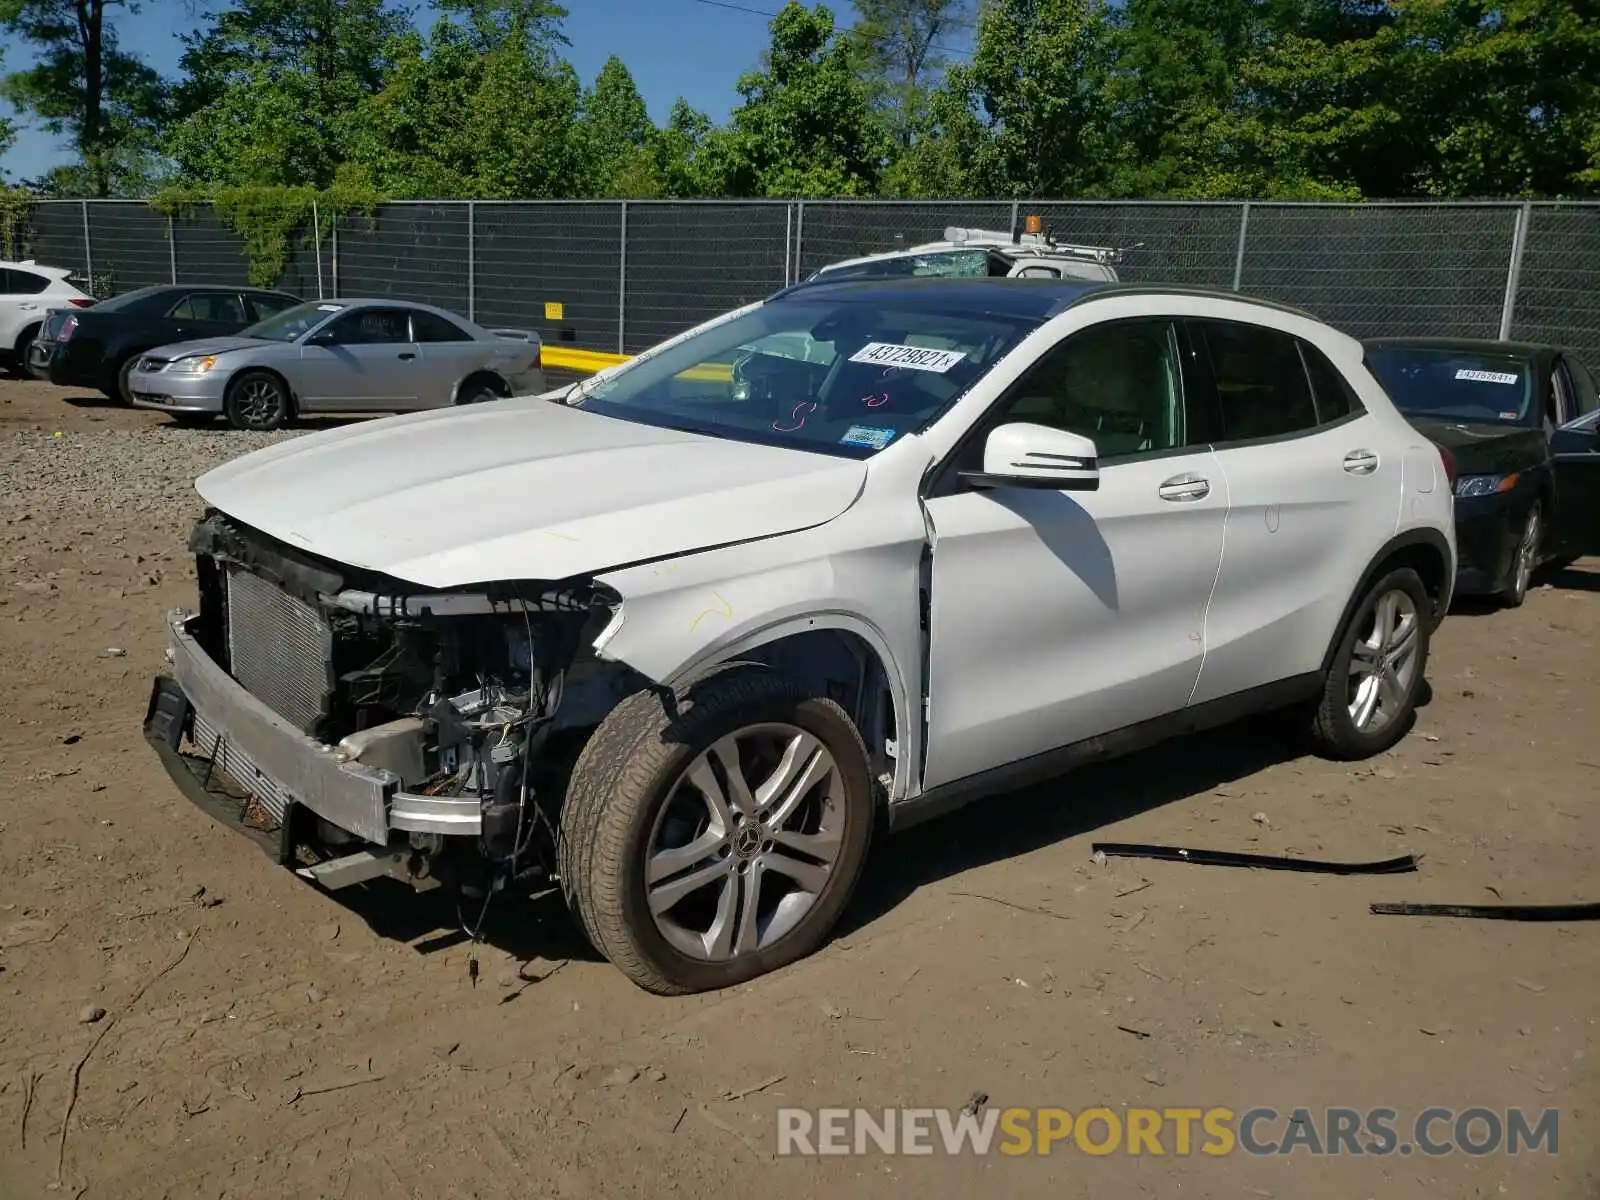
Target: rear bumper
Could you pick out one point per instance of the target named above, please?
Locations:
(271, 763)
(77, 363)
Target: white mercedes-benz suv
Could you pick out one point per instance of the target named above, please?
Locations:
(679, 640)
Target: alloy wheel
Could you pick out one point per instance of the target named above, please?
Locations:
(1383, 663)
(259, 402)
(745, 843)
(1527, 554)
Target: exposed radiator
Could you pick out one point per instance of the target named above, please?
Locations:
(233, 764)
(279, 648)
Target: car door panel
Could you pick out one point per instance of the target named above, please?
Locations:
(1056, 616)
(359, 371)
(1575, 453)
(1308, 504)
(446, 355)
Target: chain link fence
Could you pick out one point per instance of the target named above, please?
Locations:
(619, 276)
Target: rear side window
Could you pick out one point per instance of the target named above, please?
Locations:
(1261, 383)
(427, 327)
(21, 283)
(1335, 398)
(222, 307)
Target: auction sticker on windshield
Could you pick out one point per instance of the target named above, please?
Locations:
(915, 358)
(1487, 376)
(868, 435)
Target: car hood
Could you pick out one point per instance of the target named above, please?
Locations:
(1484, 448)
(215, 345)
(522, 489)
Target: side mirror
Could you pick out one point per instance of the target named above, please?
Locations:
(1037, 456)
(322, 337)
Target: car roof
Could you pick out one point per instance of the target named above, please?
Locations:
(391, 302)
(1537, 351)
(1036, 299)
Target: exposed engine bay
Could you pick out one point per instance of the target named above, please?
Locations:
(480, 696)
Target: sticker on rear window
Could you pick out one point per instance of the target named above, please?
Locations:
(1487, 376)
(915, 358)
(868, 435)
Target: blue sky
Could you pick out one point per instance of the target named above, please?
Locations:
(673, 48)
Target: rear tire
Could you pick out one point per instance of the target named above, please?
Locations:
(257, 401)
(1524, 559)
(25, 341)
(1377, 673)
(479, 391)
(647, 853)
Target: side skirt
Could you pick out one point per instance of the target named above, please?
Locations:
(1119, 742)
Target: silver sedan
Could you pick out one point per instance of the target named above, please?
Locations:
(338, 356)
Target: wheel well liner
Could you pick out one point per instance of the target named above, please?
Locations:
(492, 378)
(1424, 550)
(288, 388)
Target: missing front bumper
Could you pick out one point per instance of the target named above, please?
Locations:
(248, 767)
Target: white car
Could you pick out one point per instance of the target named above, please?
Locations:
(678, 645)
(27, 293)
(984, 253)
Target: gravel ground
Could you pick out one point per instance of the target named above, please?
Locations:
(259, 1038)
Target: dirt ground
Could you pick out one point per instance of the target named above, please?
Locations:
(263, 1039)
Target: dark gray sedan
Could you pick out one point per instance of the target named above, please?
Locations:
(338, 356)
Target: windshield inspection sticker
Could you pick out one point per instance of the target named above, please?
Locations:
(867, 435)
(915, 358)
(1487, 376)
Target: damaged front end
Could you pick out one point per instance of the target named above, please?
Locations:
(357, 726)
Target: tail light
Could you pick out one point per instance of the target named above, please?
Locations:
(1449, 461)
(80, 301)
(67, 327)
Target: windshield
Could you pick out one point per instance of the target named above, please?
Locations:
(938, 263)
(291, 323)
(835, 378)
(1455, 385)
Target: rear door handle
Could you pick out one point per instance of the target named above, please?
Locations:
(407, 356)
(1184, 488)
(1361, 462)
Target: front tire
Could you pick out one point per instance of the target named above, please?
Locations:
(256, 400)
(1524, 559)
(1377, 672)
(124, 386)
(710, 840)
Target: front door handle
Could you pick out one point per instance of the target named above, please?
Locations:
(407, 356)
(1361, 462)
(1185, 488)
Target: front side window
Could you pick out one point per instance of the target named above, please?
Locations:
(1119, 384)
(1583, 386)
(1261, 383)
(845, 379)
(372, 326)
(1446, 384)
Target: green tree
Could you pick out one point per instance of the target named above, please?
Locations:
(616, 133)
(805, 125)
(482, 108)
(83, 87)
(904, 46)
(272, 86)
(1028, 115)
